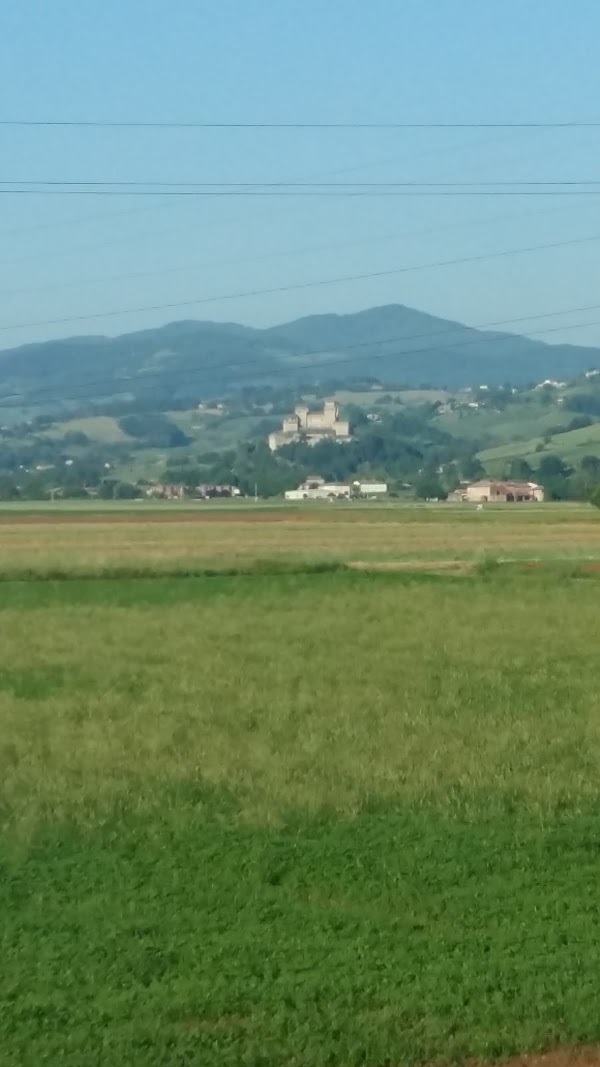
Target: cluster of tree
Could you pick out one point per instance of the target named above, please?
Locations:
(578, 422)
(497, 397)
(585, 403)
(154, 430)
(72, 482)
(404, 449)
(560, 480)
(251, 467)
(44, 467)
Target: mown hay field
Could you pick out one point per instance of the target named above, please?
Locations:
(301, 819)
(180, 539)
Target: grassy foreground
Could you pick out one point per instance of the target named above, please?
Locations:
(301, 820)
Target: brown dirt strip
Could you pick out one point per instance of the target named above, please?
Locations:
(454, 566)
(584, 1056)
(447, 566)
(536, 564)
(132, 518)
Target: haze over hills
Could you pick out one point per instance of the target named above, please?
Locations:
(185, 360)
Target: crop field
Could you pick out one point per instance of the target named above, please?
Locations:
(258, 809)
(180, 538)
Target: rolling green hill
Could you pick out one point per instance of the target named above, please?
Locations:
(571, 446)
(175, 365)
(517, 423)
(197, 400)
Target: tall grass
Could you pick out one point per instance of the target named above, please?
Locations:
(302, 692)
(334, 819)
(314, 820)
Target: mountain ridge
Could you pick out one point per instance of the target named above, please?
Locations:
(186, 359)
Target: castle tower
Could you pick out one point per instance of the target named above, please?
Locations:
(330, 412)
(302, 412)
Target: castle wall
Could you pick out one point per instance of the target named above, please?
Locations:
(315, 424)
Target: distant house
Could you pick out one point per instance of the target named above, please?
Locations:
(495, 491)
(317, 488)
(210, 492)
(311, 426)
(165, 491)
(372, 489)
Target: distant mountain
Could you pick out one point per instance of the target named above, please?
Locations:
(400, 343)
(184, 361)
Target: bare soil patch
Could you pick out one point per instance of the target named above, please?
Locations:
(584, 1056)
(131, 518)
(440, 566)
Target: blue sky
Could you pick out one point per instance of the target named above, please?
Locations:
(295, 60)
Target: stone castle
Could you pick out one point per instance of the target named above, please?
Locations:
(311, 426)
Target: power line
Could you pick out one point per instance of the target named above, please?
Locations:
(204, 125)
(219, 185)
(81, 219)
(457, 261)
(273, 193)
(201, 373)
(333, 246)
(321, 174)
(456, 344)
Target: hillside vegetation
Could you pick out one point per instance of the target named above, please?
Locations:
(174, 365)
(169, 426)
(571, 445)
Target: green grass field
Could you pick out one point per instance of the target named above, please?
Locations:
(510, 429)
(207, 432)
(377, 398)
(103, 429)
(215, 431)
(572, 446)
(306, 819)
